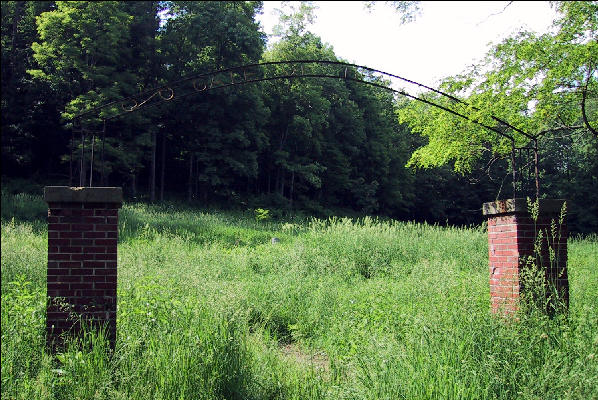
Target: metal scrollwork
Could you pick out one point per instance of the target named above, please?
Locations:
(169, 97)
(296, 69)
(157, 93)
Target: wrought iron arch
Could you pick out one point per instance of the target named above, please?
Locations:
(265, 71)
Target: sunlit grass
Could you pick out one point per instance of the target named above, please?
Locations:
(210, 308)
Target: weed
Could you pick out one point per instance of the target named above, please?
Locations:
(209, 309)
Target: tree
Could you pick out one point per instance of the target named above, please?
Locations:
(332, 143)
(148, 62)
(83, 52)
(528, 88)
(217, 134)
(32, 137)
(408, 10)
(85, 56)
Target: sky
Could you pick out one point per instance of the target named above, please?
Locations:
(443, 41)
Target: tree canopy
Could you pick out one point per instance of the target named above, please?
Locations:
(322, 146)
(528, 86)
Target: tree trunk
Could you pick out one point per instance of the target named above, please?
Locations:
(133, 184)
(162, 166)
(277, 180)
(93, 142)
(269, 181)
(292, 188)
(103, 172)
(196, 185)
(153, 167)
(83, 165)
(15, 32)
(204, 193)
(190, 184)
(72, 147)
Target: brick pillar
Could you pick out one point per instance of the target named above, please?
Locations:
(512, 235)
(82, 242)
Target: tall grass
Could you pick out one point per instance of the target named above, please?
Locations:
(210, 308)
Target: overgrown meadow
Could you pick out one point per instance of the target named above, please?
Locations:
(210, 308)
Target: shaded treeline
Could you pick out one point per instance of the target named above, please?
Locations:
(322, 146)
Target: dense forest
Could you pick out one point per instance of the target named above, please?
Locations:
(313, 145)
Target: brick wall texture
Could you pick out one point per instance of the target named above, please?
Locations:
(511, 242)
(82, 265)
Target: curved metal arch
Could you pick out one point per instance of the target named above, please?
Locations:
(261, 72)
(245, 74)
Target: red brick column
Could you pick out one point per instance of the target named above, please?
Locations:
(512, 237)
(82, 258)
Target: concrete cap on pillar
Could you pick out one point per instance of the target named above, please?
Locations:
(68, 194)
(547, 206)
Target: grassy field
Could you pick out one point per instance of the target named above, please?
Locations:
(210, 308)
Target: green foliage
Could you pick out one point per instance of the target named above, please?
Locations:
(535, 82)
(89, 54)
(408, 10)
(294, 21)
(332, 139)
(218, 134)
(542, 294)
(82, 51)
(339, 309)
(30, 121)
(24, 207)
(320, 146)
(261, 214)
(570, 171)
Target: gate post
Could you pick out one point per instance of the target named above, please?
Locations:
(82, 258)
(512, 240)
